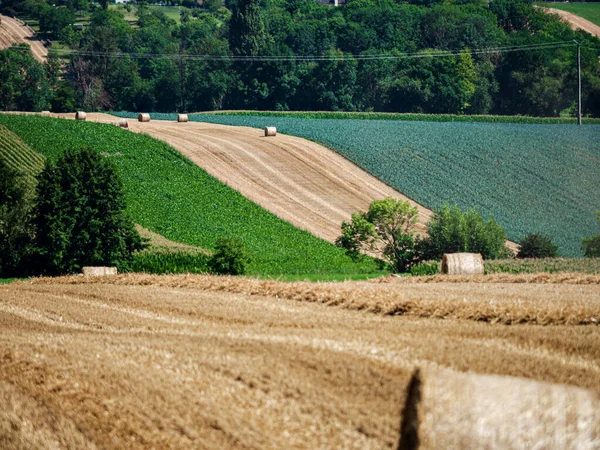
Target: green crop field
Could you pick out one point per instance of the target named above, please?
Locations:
(169, 195)
(533, 178)
(19, 155)
(589, 11)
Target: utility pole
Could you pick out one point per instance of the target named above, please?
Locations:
(579, 83)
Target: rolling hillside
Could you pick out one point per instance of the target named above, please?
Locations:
(533, 178)
(13, 31)
(173, 197)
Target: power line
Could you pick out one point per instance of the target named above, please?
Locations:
(315, 58)
(309, 58)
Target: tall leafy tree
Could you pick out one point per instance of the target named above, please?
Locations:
(16, 196)
(80, 215)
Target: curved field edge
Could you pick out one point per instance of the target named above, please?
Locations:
(171, 196)
(542, 299)
(410, 117)
(533, 178)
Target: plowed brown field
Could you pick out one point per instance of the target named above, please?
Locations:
(131, 363)
(13, 31)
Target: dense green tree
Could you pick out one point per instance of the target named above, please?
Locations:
(536, 245)
(385, 230)
(453, 231)
(80, 215)
(16, 231)
(25, 83)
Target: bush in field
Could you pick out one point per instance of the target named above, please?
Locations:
(230, 257)
(387, 230)
(425, 268)
(80, 215)
(453, 231)
(536, 245)
(16, 195)
(591, 245)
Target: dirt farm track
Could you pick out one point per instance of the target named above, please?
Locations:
(214, 362)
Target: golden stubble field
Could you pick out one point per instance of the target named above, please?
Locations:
(213, 362)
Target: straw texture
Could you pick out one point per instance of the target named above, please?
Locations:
(462, 264)
(451, 410)
(99, 271)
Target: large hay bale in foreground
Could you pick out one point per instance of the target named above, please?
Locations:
(182, 118)
(144, 117)
(451, 410)
(270, 131)
(123, 123)
(462, 264)
(99, 271)
(80, 115)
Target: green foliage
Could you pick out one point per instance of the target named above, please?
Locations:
(169, 195)
(425, 268)
(230, 257)
(387, 230)
(536, 245)
(530, 177)
(453, 231)
(80, 215)
(591, 245)
(161, 261)
(17, 155)
(16, 200)
(24, 82)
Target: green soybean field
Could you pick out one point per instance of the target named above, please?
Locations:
(173, 197)
(531, 177)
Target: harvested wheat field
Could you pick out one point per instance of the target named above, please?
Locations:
(302, 182)
(138, 361)
(13, 31)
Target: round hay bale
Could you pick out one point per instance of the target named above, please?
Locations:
(182, 118)
(80, 115)
(123, 123)
(99, 271)
(462, 264)
(45, 113)
(447, 409)
(270, 131)
(144, 117)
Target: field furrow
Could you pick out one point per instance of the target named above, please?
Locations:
(147, 364)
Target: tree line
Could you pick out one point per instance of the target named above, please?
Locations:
(157, 70)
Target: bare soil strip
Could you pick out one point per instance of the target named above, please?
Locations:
(13, 31)
(118, 366)
(577, 22)
(572, 299)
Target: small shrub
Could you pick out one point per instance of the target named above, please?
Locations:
(230, 257)
(591, 245)
(536, 245)
(425, 268)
